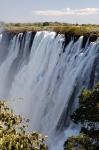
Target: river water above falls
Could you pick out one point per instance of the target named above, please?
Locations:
(42, 79)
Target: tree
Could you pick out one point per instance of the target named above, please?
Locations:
(46, 24)
(13, 135)
(88, 116)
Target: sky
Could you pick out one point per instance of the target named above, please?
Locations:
(69, 11)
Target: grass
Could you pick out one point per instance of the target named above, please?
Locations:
(73, 29)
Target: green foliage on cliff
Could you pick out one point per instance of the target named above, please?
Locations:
(13, 135)
(81, 142)
(88, 116)
(88, 110)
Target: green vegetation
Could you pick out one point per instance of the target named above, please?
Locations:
(13, 135)
(76, 30)
(81, 142)
(88, 116)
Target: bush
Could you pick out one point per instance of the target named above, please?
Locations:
(81, 142)
(46, 24)
(13, 135)
(88, 116)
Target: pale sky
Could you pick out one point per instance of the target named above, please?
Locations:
(70, 11)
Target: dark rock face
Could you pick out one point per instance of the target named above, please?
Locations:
(94, 77)
(93, 37)
(65, 119)
(4, 48)
(32, 38)
(69, 35)
(21, 39)
(8, 36)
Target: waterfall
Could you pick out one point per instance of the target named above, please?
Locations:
(42, 79)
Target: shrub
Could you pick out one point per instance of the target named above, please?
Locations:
(13, 135)
(88, 116)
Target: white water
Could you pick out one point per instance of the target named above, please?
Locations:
(45, 82)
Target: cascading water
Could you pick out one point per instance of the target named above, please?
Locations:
(45, 79)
